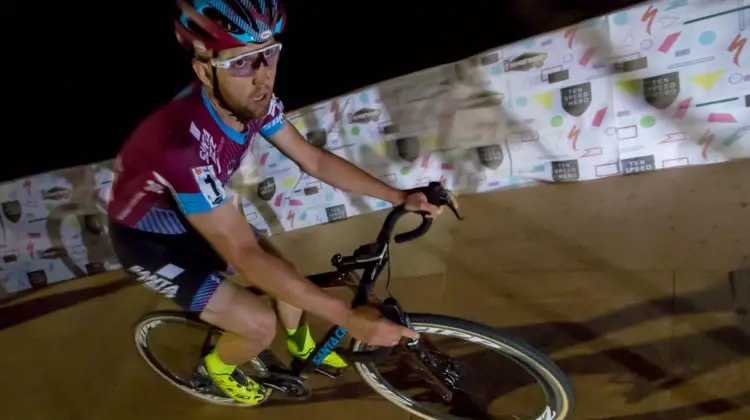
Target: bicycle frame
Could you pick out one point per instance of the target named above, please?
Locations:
(361, 286)
(363, 294)
(371, 258)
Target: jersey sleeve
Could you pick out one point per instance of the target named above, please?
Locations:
(274, 120)
(194, 185)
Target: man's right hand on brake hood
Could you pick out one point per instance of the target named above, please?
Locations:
(367, 324)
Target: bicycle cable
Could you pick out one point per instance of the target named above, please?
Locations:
(388, 282)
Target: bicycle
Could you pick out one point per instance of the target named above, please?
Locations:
(441, 373)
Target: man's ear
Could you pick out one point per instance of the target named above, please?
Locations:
(202, 69)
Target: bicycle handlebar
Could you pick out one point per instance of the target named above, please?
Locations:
(436, 195)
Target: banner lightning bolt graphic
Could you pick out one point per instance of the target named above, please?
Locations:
(649, 15)
(290, 218)
(737, 45)
(30, 246)
(573, 135)
(706, 141)
(570, 35)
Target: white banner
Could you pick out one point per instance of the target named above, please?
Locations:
(657, 86)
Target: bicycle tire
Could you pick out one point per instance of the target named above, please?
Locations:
(557, 387)
(152, 320)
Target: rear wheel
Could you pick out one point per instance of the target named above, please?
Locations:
(467, 402)
(186, 336)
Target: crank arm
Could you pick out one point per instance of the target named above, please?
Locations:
(286, 387)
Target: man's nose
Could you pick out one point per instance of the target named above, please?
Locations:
(262, 74)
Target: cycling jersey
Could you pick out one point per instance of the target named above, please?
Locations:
(178, 161)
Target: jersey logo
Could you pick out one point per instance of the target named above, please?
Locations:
(211, 188)
(208, 151)
(154, 187)
(276, 107)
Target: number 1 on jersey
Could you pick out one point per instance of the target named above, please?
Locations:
(209, 185)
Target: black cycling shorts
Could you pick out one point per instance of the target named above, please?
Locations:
(184, 268)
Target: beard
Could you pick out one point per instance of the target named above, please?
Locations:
(245, 109)
(250, 109)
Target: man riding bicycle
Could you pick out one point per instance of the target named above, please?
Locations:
(173, 227)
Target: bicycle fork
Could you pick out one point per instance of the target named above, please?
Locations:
(421, 355)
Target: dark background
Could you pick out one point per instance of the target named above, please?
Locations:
(83, 74)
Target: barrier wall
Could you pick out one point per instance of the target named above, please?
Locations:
(657, 86)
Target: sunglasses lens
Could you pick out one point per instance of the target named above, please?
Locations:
(248, 65)
(243, 67)
(271, 55)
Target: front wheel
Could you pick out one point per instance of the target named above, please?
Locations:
(444, 332)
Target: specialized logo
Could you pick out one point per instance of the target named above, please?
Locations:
(737, 45)
(209, 185)
(159, 281)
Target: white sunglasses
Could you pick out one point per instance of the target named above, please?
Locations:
(246, 64)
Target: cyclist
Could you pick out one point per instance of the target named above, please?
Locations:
(173, 227)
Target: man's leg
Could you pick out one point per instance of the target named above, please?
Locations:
(299, 341)
(250, 327)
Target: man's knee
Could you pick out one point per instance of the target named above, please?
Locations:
(255, 320)
(263, 325)
(239, 311)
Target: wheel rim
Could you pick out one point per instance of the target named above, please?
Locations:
(142, 334)
(557, 403)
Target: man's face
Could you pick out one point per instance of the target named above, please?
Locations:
(246, 81)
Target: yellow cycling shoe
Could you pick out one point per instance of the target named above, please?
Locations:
(236, 385)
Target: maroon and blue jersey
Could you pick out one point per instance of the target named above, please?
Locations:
(178, 161)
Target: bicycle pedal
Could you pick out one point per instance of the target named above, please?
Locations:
(286, 387)
(330, 372)
(323, 370)
(200, 380)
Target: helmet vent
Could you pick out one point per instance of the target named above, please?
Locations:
(222, 21)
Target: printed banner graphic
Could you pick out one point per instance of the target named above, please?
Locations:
(660, 85)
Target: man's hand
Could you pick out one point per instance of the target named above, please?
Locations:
(368, 324)
(417, 201)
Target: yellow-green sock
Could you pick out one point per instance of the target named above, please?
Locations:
(216, 365)
(300, 340)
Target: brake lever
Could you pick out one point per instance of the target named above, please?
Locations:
(437, 195)
(453, 208)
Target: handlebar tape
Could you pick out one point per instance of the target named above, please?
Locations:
(416, 233)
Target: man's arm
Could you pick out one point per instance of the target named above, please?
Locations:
(230, 234)
(330, 168)
(204, 202)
